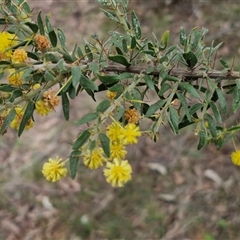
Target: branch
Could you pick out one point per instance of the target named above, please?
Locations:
(190, 75)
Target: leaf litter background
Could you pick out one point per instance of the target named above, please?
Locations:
(177, 192)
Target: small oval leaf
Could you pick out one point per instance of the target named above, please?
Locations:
(87, 118)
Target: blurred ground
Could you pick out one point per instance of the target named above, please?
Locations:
(176, 193)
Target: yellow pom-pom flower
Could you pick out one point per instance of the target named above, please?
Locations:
(117, 150)
(115, 131)
(94, 159)
(19, 56)
(54, 169)
(42, 107)
(235, 156)
(118, 172)
(130, 133)
(15, 78)
(18, 118)
(7, 40)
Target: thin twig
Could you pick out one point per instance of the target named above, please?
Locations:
(186, 74)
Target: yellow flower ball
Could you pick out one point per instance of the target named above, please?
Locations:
(235, 156)
(54, 169)
(118, 172)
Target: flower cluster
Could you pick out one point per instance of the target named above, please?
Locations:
(47, 103)
(118, 170)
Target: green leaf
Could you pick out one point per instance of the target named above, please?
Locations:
(155, 107)
(119, 51)
(48, 76)
(235, 106)
(110, 15)
(119, 88)
(222, 101)
(76, 75)
(224, 63)
(173, 119)
(149, 82)
(73, 162)
(193, 109)
(190, 89)
(119, 113)
(133, 42)
(190, 59)
(233, 129)
(28, 113)
(81, 139)
(103, 106)
(236, 95)
(184, 103)
(12, 7)
(136, 98)
(171, 78)
(164, 40)
(86, 83)
(40, 24)
(61, 66)
(50, 57)
(34, 56)
(9, 118)
(94, 67)
(32, 26)
(65, 105)
(124, 46)
(211, 125)
(79, 52)
(53, 38)
(109, 79)
(7, 88)
(25, 6)
(120, 59)
(87, 118)
(202, 140)
(4, 64)
(136, 25)
(105, 142)
(164, 88)
(14, 94)
(183, 37)
(88, 53)
(71, 91)
(216, 113)
(197, 39)
(61, 37)
(48, 24)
